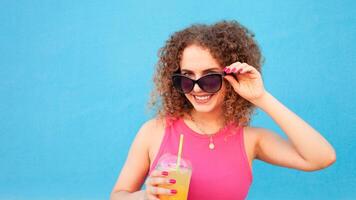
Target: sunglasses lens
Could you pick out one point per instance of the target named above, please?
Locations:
(183, 84)
(210, 83)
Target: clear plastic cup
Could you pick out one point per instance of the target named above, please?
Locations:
(182, 175)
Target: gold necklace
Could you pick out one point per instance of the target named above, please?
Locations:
(211, 141)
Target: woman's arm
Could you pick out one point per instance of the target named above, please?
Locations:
(306, 149)
(136, 167)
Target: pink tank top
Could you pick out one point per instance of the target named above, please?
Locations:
(222, 173)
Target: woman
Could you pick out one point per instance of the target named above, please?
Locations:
(208, 83)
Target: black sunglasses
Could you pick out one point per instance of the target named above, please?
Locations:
(210, 83)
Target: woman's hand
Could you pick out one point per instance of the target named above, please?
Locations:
(249, 84)
(158, 178)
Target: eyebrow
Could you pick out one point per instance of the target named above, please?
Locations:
(204, 72)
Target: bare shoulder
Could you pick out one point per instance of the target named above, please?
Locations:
(146, 133)
(258, 132)
(152, 129)
(155, 133)
(154, 123)
(251, 138)
(252, 131)
(254, 135)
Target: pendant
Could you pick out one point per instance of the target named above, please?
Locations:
(211, 144)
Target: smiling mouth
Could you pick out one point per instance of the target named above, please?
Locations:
(202, 98)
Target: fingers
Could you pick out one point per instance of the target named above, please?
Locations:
(159, 181)
(159, 173)
(152, 190)
(158, 178)
(239, 68)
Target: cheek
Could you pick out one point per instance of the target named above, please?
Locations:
(189, 97)
(221, 93)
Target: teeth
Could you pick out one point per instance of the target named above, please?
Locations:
(202, 97)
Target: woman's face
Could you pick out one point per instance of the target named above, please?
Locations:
(197, 62)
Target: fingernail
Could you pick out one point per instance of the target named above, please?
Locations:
(172, 181)
(227, 70)
(234, 70)
(173, 191)
(239, 70)
(165, 173)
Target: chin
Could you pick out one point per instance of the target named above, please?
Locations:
(203, 109)
(204, 106)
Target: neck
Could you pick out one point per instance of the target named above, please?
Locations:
(209, 122)
(207, 117)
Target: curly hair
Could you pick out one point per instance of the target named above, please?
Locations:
(228, 42)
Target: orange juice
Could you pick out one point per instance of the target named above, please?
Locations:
(182, 177)
(179, 169)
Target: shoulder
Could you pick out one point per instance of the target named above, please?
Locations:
(263, 138)
(251, 132)
(150, 130)
(253, 137)
(153, 124)
(256, 132)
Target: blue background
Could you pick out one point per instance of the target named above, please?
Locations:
(75, 77)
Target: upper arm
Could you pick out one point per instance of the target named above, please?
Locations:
(137, 164)
(275, 150)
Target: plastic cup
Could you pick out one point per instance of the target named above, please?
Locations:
(181, 174)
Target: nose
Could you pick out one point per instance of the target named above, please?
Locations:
(196, 88)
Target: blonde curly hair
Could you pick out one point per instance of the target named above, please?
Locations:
(228, 42)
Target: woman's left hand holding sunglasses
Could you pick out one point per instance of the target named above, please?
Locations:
(249, 84)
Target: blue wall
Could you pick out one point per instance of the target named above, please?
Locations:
(75, 77)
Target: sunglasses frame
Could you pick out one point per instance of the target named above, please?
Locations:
(222, 74)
